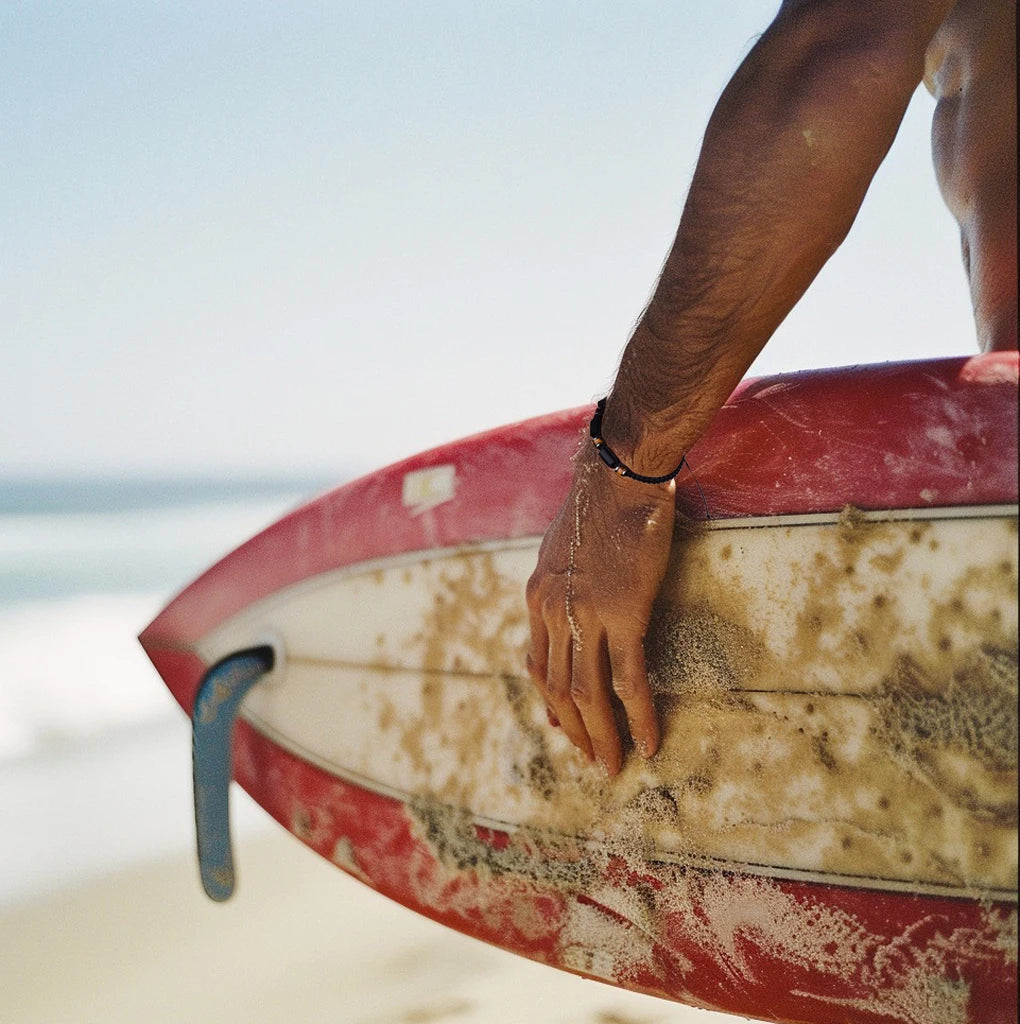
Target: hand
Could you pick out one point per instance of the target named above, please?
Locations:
(589, 602)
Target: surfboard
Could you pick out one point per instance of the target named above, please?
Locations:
(829, 832)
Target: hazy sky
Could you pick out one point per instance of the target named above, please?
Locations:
(316, 236)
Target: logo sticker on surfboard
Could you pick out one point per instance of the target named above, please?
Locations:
(426, 488)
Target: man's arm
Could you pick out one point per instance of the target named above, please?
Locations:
(788, 155)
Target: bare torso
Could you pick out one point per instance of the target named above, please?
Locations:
(970, 69)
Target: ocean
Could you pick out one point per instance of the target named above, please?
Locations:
(101, 908)
(93, 751)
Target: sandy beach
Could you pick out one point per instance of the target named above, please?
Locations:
(300, 941)
(103, 919)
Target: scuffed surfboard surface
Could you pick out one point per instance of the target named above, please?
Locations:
(829, 832)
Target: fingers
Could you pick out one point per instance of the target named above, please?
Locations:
(630, 682)
(550, 665)
(590, 689)
(589, 600)
(538, 652)
(577, 681)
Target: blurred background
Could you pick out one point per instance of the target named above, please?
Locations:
(252, 250)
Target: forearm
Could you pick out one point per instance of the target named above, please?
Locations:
(787, 158)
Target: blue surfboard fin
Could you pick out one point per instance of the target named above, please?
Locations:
(218, 700)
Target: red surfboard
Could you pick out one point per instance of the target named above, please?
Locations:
(829, 832)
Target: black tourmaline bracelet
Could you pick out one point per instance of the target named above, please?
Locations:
(609, 457)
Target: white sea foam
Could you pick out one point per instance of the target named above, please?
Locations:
(94, 753)
(72, 668)
(76, 588)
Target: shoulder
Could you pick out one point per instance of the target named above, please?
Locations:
(892, 32)
(971, 41)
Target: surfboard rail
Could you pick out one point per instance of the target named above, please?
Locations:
(886, 481)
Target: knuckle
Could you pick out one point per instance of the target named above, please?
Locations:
(533, 587)
(625, 688)
(580, 691)
(627, 653)
(553, 606)
(583, 589)
(626, 625)
(555, 690)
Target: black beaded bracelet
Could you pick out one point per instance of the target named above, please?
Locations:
(609, 457)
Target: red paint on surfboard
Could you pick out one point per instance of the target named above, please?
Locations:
(933, 434)
(334, 818)
(873, 437)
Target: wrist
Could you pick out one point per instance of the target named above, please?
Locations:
(622, 491)
(631, 446)
(612, 460)
(666, 393)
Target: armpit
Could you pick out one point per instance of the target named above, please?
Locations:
(943, 69)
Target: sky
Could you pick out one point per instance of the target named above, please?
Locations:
(318, 237)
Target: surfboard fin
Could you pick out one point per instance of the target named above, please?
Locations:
(212, 725)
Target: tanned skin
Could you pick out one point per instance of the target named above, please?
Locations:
(970, 69)
(788, 156)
